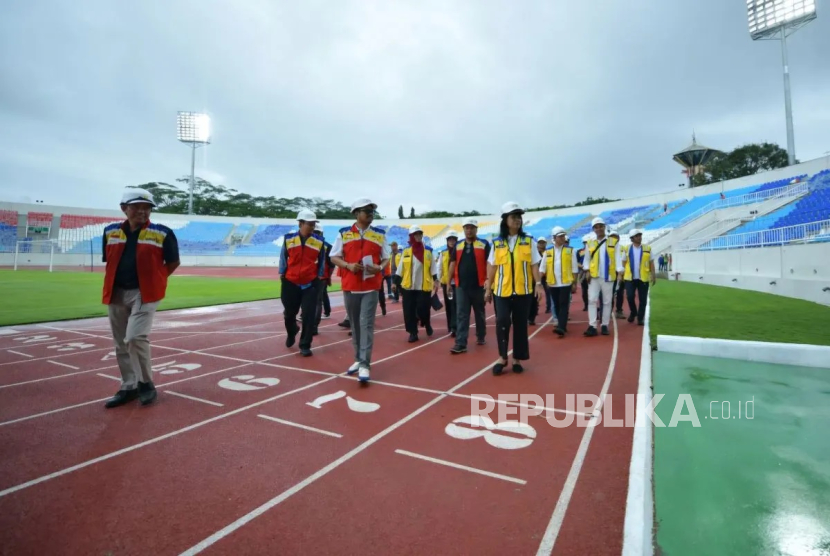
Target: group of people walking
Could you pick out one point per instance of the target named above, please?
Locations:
(514, 273)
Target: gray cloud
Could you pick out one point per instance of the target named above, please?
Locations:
(434, 105)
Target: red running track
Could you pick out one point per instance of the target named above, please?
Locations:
(252, 449)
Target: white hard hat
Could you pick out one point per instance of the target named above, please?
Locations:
(452, 233)
(133, 196)
(360, 203)
(597, 220)
(470, 221)
(557, 231)
(634, 231)
(613, 233)
(511, 207)
(415, 230)
(307, 215)
(318, 227)
(567, 238)
(542, 239)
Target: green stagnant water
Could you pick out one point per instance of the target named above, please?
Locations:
(754, 477)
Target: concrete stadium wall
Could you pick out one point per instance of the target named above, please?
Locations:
(41, 260)
(798, 271)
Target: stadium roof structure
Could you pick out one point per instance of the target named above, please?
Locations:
(694, 157)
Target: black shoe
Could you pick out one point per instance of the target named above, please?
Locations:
(146, 392)
(641, 323)
(290, 339)
(305, 352)
(631, 317)
(517, 368)
(458, 349)
(531, 323)
(558, 330)
(604, 330)
(591, 331)
(498, 369)
(121, 397)
(344, 324)
(480, 342)
(412, 338)
(429, 329)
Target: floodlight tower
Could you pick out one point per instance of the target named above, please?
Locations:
(193, 129)
(776, 20)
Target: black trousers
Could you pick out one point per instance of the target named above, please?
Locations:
(468, 298)
(416, 308)
(635, 286)
(450, 307)
(513, 311)
(562, 302)
(584, 285)
(323, 304)
(295, 299)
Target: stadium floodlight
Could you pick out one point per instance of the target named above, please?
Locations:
(776, 20)
(193, 129)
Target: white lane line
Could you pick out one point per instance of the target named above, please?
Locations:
(51, 412)
(134, 447)
(195, 399)
(109, 377)
(62, 364)
(462, 467)
(555, 524)
(20, 354)
(224, 532)
(299, 426)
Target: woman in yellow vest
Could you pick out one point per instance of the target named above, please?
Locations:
(639, 272)
(417, 281)
(512, 280)
(448, 280)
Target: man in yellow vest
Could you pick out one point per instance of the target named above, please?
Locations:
(417, 279)
(447, 280)
(559, 269)
(603, 267)
(639, 272)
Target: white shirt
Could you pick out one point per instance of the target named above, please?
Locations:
(535, 257)
(418, 270)
(337, 250)
(603, 257)
(557, 265)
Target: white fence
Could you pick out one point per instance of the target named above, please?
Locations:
(801, 233)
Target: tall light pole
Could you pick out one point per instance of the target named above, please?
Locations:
(193, 129)
(776, 20)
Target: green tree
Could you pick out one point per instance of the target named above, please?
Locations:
(400, 212)
(745, 160)
(412, 212)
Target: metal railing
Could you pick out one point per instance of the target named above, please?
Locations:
(792, 190)
(811, 232)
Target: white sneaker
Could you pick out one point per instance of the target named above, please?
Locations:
(353, 369)
(363, 375)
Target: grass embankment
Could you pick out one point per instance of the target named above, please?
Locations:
(37, 296)
(705, 311)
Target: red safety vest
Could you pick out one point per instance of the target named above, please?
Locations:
(481, 261)
(303, 260)
(149, 259)
(354, 249)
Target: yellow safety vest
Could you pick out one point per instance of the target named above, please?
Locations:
(610, 245)
(514, 274)
(406, 263)
(645, 267)
(445, 267)
(567, 266)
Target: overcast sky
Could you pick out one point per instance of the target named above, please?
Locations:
(436, 105)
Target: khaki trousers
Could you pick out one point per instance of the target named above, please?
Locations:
(131, 322)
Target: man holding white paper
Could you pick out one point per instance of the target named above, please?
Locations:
(362, 251)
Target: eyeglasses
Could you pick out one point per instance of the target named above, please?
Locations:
(370, 212)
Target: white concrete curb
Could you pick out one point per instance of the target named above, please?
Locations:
(639, 505)
(801, 355)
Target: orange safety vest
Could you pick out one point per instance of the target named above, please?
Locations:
(481, 261)
(303, 260)
(149, 259)
(354, 249)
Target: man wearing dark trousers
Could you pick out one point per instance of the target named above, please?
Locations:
(639, 272)
(470, 271)
(302, 265)
(583, 280)
(323, 303)
(448, 284)
(559, 269)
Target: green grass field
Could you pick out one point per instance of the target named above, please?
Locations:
(704, 311)
(37, 296)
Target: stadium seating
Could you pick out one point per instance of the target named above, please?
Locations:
(8, 230)
(265, 241)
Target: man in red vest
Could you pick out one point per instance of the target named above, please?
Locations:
(470, 271)
(361, 251)
(139, 257)
(302, 265)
